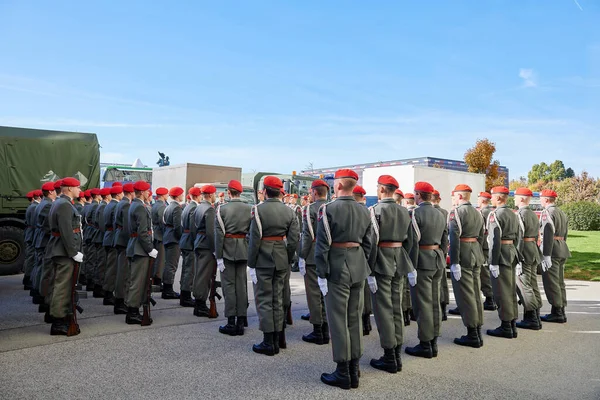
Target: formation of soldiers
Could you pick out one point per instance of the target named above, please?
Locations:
(388, 259)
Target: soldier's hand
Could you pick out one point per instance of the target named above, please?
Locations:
(252, 272)
(412, 277)
(220, 264)
(495, 270)
(153, 253)
(456, 272)
(302, 266)
(372, 284)
(323, 285)
(78, 257)
(546, 263)
(519, 269)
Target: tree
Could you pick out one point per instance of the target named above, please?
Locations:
(479, 159)
(547, 173)
(517, 183)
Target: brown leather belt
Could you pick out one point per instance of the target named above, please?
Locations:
(559, 238)
(110, 229)
(200, 233)
(345, 245)
(530, 239)
(468, 240)
(133, 235)
(506, 242)
(119, 226)
(429, 247)
(57, 234)
(273, 238)
(389, 244)
(186, 231)
(235, 235)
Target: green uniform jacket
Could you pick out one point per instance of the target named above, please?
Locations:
(78, 207)
(109, 219)
(30, 222)
(274, 219)
(236, 217)
(89, 221)
(343, 220)
(530, 229)
(98, 221)
(204, 221)
(63, 220)
(551, 247)
(86, 227)
(188, 236)
(158, 224)
(391, 223)
(309, 231)
(445, 214)
(42, 227)
(466, 222)
(432, 230)
(121, 223)
(173, 228)
(485, 212)
(140, 224)
(503, 254)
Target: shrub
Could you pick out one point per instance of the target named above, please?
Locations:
(583, 215)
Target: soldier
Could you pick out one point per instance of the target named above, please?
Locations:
(485, 208)
(64, 249)
(398, 196)
(232, 224)
(36, 197)
(204, 246)
(393, 234)
(269, 258)
(503, 229)
(158, 228)
(186, 244)
(342, 249)
(40, 240)
(98, 220)
(83, 266)
(121, 240)
(294, 268)
(80, 203)
(110, 275)
(554, 229)
(465, 228)
(359, 195)
(304, 202)
(432, 234)
(308, 267)
(445, 294)
(531, 257)
(222, 198)
(91, 254)
(409, 203)
(171, 236)
(260, 196)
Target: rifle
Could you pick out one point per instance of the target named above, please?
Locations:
(212, 312)
(146, 319)
(75, 307)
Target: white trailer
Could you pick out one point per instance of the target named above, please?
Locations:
(443, 180)
(188, 174)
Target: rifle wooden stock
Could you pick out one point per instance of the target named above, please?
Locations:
(73, 326)
(146, 317)
(212, 312)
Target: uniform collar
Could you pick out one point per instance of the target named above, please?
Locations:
(234, 200)
(387, 200)
(346, 198)
(425, 203)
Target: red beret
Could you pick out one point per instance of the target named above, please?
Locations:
(117, 184)
(222, 194)
(304, 197)
(295, 195)
(388, 180)
(188, 197)
(37, 193)
(95, 191)
(104, 192)
(81, 194)
(273, 182)
(345, 173)
(523, 192)
(500, 190)
(128, 188)
(88, 193)
(409, 196)
(70, 182)
(208, 189)
(116, 190)
(398, 191)
(58, 184)
(176, 191)
(48, 186)
(150, 191)
(359, 190)
(485, 195)
(463, 188)
(194, 191)
(281, 191)
(141, 186)
(549, 193)
(318, 183)
(423, 187)
(161, 191)
(435, 193)
(29, 195)
(235, 185)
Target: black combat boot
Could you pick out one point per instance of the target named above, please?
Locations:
(37, 298)
(186, 299)
(239, 327)
(556, 315)
(406, 315)
(266, 347)
(434, 347)
(338, 378)
(454, 311)
(109, 299)
(366, 324)
(386, 363)
(564, 313)
(471, 339)
(412, 315)
(48, 318)
(90, 285)
(156, 281)
(423, 349)
(325, 331)
(98, 292)
(229, 329)
(444, 314)
(82, 280)
(480, 336)
(529, 321)
(504, 330)
(513, 326)
(133, 316)
(354, 371)
(276, 342)
(539, 319)
(305, 317)
(489, 304)
(397, 354)
(244, 321)
(168, 293)
(27, 283)
(120, 307)
(200, 309)
(43, 307)
(281, 339)
(316, 336)
(60, 326)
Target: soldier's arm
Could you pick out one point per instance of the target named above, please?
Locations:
(322, 249)
(219, 235)
(481, 235)
(367, 241)
(548, 238)
(161, 220)
(454, 238)
(293, 233)
(254, 245)
(306, 241)
(177, 226)
(192, 223)
(410, 240)
(414, 251)
(496, 247)
(63, 215)
(444, 241)
(372, 257)
(210, 228)
(143, 236)
(44, 218)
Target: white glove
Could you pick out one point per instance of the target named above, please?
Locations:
(412, 277)
(153, 253)
(455, 269)
(221, 265)
(78, 257)
(546, 263)
(372, 283)
(323, 285)
(302, 266)
(519, 269)
(495, 270)
(253, 275)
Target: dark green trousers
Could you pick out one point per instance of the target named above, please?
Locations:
(468, 299)
(110, 277)
(387, 307)
(554, 283)
(426, 303)
(235, 289)
(268, 295)
(138, 281)
(123, 274)
(314, 297)
(60, 303)
(505, 293)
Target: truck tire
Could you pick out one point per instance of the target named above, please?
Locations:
(12, 250)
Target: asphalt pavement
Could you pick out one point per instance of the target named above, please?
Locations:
(181, 356)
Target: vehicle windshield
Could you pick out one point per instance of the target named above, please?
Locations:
(122, 175)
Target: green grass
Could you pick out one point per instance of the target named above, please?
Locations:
(584, 263)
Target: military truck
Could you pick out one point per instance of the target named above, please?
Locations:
(28, 158)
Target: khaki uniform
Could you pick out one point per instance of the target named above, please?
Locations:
(554, 229)
(158, 227)
(445, 293)
(527, 286)
(186, 244)
(110, 275)
(171, 236)
(138, 247)
(204, 246)
(121, 240)
(486, 282)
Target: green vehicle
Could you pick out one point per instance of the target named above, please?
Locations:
(292, 184)
(28, 158)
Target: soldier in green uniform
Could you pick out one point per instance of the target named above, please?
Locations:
(465, 228)
(83, 266)
(503, 230)
(80, 203)
(171, 236)
(139, 251)
(399, 197)
(531, 257)
(359, 194)
(308, 267)
(91, 256)
(158, 227)
(36, 197)
(554, 229)
(110, 275)
(121, 239)
(40, 240)
(186, 244)
(445, 294)
(204, 246)
(409, 203)
(232, 224)
(485, 208)
(269, 258)
(98, 220)
(393, 234)
(342, 251)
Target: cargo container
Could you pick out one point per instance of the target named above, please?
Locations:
(188, 174)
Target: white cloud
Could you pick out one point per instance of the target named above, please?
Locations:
(528, 76)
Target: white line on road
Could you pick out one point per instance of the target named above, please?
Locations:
(583, 312)
(584, 331)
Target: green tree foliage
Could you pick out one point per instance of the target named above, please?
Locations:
(479, 159)
(583, 215)
(543, 172)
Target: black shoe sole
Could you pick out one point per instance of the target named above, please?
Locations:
(335, 384)
(467, 344)
(266, 353)
(390, 369)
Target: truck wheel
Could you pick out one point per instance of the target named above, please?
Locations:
(12, 250)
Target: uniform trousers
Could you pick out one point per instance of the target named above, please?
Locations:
(554, 283)
(268, 295)
(235, 290)
(505, 293)
(186, 280)
(123, 273)
(205, 266)
(387, 307)
(314, 297)
(426, 303)
(60, 303)
(159, 263)
(468, 299)
(110, 276)
(172, 253)
(138, 281)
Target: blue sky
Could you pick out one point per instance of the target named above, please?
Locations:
(273, 85)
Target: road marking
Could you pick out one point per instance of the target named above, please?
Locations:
(584, 312)
(585, 332)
